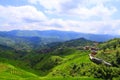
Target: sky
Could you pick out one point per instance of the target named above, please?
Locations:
(86, 16)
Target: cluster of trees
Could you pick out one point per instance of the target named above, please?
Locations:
(110, 51)
(90, 70)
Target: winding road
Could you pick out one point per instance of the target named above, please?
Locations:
(98, 61)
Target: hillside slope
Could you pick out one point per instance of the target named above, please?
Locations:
(110, 51)
(65, 62)
(10, 72)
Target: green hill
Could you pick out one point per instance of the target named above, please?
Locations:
(110, 51)
(64, 62)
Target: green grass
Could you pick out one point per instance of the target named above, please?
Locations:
(9, 72)
(61, 65)
(69, 78)
(76, 58)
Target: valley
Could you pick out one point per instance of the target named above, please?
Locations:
(28, 58)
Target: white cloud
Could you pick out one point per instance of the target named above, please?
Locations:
(97, 11)
(18, 17)
(84, 9)
(29, 18)
(98, 27)
(19, 14)
(54, 5)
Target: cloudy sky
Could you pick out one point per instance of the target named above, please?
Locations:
(87, 16)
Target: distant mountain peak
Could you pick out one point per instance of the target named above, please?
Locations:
(59, 35)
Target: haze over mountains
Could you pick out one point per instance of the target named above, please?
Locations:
(57, 35)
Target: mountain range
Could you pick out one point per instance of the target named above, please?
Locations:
(34, 39)
(58, 35)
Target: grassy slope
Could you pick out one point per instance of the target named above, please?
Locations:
(73, 65)
(9, 72)
(62, 71)
(69, 58)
